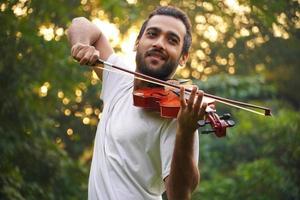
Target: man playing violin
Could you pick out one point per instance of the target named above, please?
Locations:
(137, 154)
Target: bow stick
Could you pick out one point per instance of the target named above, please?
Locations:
(143, 77)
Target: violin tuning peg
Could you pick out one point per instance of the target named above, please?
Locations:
(202, 123)
(230, 123)
(207, 132)
(225, 116)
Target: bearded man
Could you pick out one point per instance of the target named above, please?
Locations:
(137, 154)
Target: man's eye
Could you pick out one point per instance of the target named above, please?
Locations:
(151, 33)
(173, 41)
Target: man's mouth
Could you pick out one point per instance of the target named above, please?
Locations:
(156, 54)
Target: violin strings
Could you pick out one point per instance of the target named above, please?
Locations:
(230, 104)
(187, 91)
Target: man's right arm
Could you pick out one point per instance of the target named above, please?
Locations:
(88, 43)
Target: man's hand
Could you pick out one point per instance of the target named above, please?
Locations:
(184, 174)
(87, 40)
(191, 111)
(85, 54)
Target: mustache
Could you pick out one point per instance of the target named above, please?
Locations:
(156, 52)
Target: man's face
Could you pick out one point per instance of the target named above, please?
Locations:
(159, 49)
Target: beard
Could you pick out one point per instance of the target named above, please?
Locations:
(163, 72)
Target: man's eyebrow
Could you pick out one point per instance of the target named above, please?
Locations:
(154, 29)
(171, 33)
(174, 35)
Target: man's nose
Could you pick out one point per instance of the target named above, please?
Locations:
(159, 43)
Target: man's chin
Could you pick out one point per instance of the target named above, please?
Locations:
(157, 68)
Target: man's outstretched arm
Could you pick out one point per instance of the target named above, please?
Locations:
(88, 43)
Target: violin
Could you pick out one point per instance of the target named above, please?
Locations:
(167, 101)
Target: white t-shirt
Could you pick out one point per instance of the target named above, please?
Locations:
(133, 146)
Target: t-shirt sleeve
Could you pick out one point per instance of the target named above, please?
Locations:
(107, 76)
(167, 143)
(112, 78)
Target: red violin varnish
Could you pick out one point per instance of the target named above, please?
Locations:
(167, 102)
(164, 101)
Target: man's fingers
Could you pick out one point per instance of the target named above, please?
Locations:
(192, 98)
(84, 54)
(86, 57)
(75, 50)
(202, 110)
(198, 101)
(212, 106)
(182, 99)
(95, 56)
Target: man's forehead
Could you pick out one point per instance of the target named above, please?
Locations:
(167, 24)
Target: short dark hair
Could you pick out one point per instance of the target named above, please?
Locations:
(178, 14)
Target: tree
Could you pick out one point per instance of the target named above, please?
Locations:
(245, 50)
(33, 72)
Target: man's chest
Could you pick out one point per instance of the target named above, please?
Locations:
(133, 125)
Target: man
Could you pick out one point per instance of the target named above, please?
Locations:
(138, 154)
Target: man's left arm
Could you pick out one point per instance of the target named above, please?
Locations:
(184, 174)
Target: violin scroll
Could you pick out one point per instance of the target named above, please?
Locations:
(218, 123)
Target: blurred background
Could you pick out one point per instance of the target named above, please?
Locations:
(246, 50)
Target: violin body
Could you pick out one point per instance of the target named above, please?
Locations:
(167, 103)
(164, 101)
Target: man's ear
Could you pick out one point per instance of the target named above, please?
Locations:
(183, 59)
(136, 44)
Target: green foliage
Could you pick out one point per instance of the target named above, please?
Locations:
(32, 165)
(258, 160)
(237, 87)
(35, 168)
(40, 159)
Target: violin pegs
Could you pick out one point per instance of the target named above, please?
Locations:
(225, 116)
(230, 123)
(202, 123)
(207, 131)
